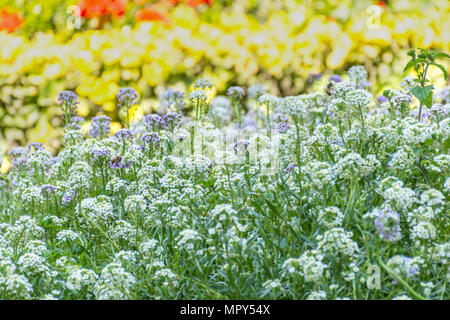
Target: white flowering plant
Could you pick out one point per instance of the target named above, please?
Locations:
(249, 196)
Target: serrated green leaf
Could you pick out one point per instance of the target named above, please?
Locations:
(409, 65)
(424, 94)
(440, 66)
(439, 54)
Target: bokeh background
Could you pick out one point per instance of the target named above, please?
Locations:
(93, 47)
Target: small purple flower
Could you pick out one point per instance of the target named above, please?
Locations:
(255, 91)
(413, 268)
(75, 122)
(335, 78)
(19, 156)
(248, 124)
(363, 84)
(153, 122)
(244, 143)
(170, 120)
(203, 84)
(100, 127)
(67, 97)
(337, 141)
(119, 163)
(140, 147)
(68, 101)
(440, 109)
(236, 92)
(52, 161)
(388, 223)
(124, 134)
(283, 127)
(68, 197)
(172, 97)
(423, 117)
(290, 167)
(18, 152)
(127, 97)
(381, 99)
(198, 95)
(35, 146)
(313, 77)
(20, 162)
(99, 154)
(48, 188)
(152, 138)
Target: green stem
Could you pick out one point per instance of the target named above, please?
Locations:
(403, 282)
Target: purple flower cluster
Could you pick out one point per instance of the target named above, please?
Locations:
(172, 97)
(52, 161)
(283, 126)
(124, 134)
(413, 268)
(75, 122)
(35, 146)
(68, 197)
(236, 92)
(67, 97)
(424, 116)
(127, 97)
(203, 84)
(19, 156)
(335, 78)
(439, 109)
(48, 188)
(388, 223)
(290, 167)
(119, 163)
(381, 99)
(68, 101)
(243, 143)
(152, 138)
(255, 91)
(313, 77)
(170, 120)
(153, 122)
(99, 154)
(249, 123)
(100, 127)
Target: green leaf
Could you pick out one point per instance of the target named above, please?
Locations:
(440, 66)
(424, 94)
(421, 60)
(438, 54)
(412, 53)
(409, 65)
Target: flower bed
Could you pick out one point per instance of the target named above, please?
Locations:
(320, 195)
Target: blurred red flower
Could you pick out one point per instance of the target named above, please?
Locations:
(10, 20)
(97, 8)
(149, 14)
(191, 3)
(172, 2)
(196, 3)
(382, 4)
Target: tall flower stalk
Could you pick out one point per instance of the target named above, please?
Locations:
(68, 101)
(126, 99)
